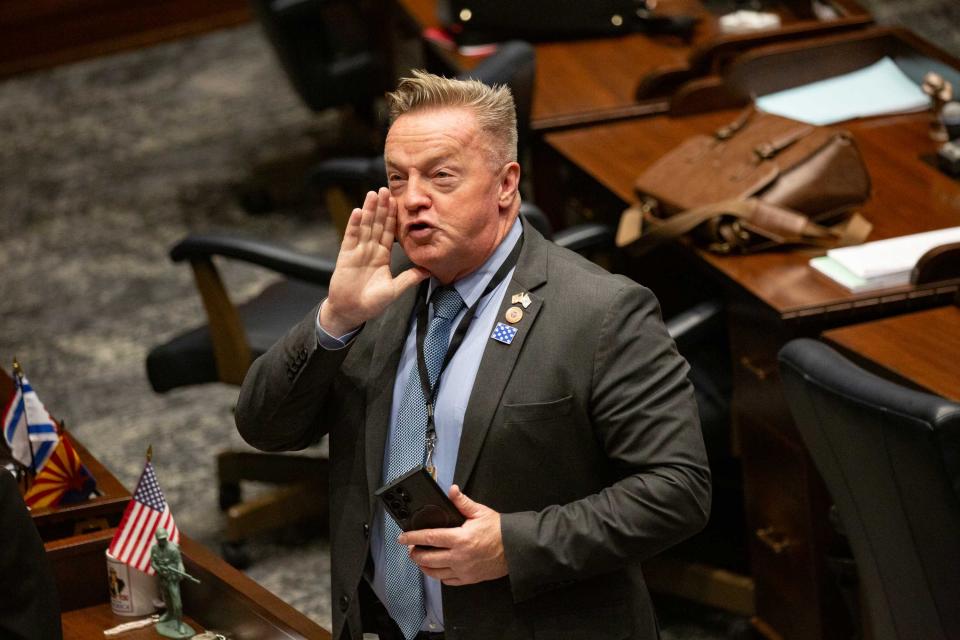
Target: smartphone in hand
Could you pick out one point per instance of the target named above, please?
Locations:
(416, 501)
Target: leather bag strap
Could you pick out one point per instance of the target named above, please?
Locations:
(642, 231)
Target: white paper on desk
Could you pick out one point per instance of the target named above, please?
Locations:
(841, 275)
(882, 88)
(894, 255)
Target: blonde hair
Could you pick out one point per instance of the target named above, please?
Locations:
(492, 107)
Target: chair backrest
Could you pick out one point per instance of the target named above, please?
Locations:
(514, 64)
(890, 457)
(328, 49)
(536, 217)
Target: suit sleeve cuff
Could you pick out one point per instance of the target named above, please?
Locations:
(329, 342)
(518, 531)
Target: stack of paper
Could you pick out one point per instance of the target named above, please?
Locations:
(881, 264)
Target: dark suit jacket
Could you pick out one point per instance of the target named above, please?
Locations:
(29, 605)
(583, 433)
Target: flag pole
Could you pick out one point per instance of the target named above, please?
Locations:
(149, 453)
(18, 372)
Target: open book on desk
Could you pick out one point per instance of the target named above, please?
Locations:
(883, 263)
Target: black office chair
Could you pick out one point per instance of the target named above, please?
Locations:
(223, 349)
(328, 50)
(343, 181)
(334, 54)
(890, 457)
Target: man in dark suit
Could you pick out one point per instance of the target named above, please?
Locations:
(29, 604)
(534, 382)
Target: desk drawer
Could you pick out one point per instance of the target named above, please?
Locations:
(779, 536)
(756, 337)
(789, 537)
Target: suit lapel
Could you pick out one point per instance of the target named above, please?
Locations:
(498, 359)
(383, 372)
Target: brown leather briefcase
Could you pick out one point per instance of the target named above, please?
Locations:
(760, 182)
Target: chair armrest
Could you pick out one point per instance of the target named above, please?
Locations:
(689, 327)
(586, 237)
(290, 263)
(362, 172)
(342, 183)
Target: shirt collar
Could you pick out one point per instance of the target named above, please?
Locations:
(471, 286)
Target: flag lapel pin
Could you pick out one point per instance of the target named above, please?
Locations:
(521, 298)
(504, 333)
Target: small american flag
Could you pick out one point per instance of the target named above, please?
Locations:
(146, 512)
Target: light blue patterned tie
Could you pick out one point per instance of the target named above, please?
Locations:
(403, 580)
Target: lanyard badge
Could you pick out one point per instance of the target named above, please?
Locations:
(430, 392)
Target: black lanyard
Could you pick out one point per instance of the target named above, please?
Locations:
(430, 393)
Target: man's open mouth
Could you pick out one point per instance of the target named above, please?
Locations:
(419, 230)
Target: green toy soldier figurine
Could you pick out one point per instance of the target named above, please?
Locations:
(166, 561)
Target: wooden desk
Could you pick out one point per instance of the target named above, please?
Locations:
(920, 350)
(771, 298)
(586, 81)
(226, 600)
(37, 35)
(909, 196)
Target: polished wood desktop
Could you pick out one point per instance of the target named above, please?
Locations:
(226, 600)
(77, 536)
(593, 80)
(909, 196)
(920, 349)
(771, 298)
(38, 35)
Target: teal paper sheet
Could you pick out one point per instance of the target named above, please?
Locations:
(882, 88)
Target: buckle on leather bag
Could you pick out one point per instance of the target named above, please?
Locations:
(764, 151)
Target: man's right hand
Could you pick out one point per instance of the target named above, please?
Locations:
(362, 286)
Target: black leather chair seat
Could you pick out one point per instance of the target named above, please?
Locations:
(188, 359)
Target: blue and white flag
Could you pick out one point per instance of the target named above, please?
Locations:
(503, 333)
(28, 429)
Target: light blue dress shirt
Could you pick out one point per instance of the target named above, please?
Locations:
(456, 383)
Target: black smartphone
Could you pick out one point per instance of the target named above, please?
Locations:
(416, 501)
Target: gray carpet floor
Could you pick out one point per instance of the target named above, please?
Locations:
(104, 165)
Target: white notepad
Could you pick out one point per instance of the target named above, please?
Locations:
(882, 263)
(893, 255)
(842, 276)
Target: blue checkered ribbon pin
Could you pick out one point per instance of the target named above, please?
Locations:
(504, 333)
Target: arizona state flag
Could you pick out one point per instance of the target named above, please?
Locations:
(62, 480)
